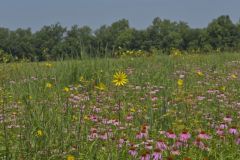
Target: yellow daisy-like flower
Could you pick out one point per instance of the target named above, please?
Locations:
(132, 110)
(180, 82)
(70, 157)
(48, 85)
(66, 89)
(223, 88)
(101, 86)
(120, 79)
(233, 76)
(199, 73)
(39, 133)
(49, 65)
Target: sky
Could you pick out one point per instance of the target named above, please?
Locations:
(95, 13)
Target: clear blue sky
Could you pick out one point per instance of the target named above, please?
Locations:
(140, 13)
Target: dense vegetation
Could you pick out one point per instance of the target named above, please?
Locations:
(55, 41)
(182, 107)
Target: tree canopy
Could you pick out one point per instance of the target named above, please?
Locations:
(55, 41)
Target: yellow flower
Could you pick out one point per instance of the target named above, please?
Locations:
(120, 79)
(199, 73)
(180, 82)
(48, 85)
(74, 118)
(101, 86)
(66, 89)
(70, 157)
(132, 110)
(233, 76)
(223, 88)
(49, 65)
(39, 133)
(86, 118)
(81, 79)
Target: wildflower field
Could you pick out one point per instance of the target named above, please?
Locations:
(183, 107)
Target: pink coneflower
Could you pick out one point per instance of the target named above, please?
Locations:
(170, 134)
(184, 136)
(200, 98)
(103, 136)
(178, 144)
(121, 142)
(129, 117)
(144, 133)
(220, 132)
(157, 154)
(227, 119)
(94, 118)
(223, 126)
(148, 146)
(203, 135)
(146, 156)
(132, 151)
(139, 135)
(154, 98)
(233, 130)
(93, 135)
(238, 141)
(199, 143)
(161, 145)
(175, 151)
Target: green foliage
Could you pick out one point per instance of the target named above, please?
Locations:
(57, 42)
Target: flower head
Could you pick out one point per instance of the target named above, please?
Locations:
(120, 79)
(101, 86)
(70, 157)
(48, 85)
(180, 83)
(66, 89)
(39, 133)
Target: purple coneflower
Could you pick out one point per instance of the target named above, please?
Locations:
(157, 154)
(132, 151)
(184, 136)
(203, 135)
(170, 134)
(146, 156)
(161, 145)
(233, 130)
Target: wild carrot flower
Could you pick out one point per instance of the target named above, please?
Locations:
(120, 79)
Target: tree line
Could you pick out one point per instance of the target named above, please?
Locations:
(57, 42)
